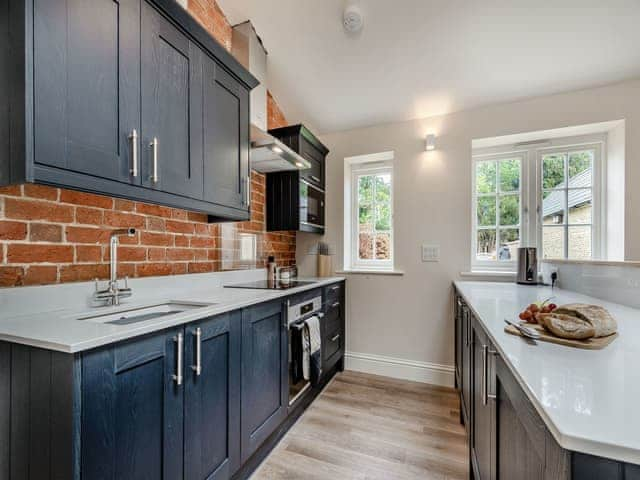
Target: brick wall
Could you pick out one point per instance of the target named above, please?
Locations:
(50, 235)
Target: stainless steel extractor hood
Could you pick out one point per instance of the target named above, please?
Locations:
(268, 154)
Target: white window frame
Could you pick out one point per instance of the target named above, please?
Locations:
(598, 212)
(495, 265)
(356, 167)
(531, 194)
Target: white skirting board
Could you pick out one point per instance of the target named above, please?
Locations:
(424, 372)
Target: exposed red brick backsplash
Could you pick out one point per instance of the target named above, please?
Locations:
(275, 117)
(51, 235)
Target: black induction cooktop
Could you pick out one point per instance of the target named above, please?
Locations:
(270, 285)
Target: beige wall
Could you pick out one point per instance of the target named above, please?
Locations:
(409, 317)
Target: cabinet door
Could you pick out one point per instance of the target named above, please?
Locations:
(315, 174)
(483, 437)
(212, 398)
(86, 85)
(132, 410)
(264, 374)
(226, 138)
(458, 339)
(171, 107)
(466, 367)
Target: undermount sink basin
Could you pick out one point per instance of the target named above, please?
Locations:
(142, 314)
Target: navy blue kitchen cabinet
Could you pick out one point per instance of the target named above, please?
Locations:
(171, 136)
(132, 409)
(110, 97)
(264, 373)
(226, 153)
(212, 398)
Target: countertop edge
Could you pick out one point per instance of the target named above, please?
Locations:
(566, 441)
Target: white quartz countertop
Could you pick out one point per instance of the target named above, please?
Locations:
(587, 398)
(61, 330)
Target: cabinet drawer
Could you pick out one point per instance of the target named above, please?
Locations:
(331, 322)
(332, 294)
(314, 174)
(332, 342)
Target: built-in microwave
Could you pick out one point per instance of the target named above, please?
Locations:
(311, 207)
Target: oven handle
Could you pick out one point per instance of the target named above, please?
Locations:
(311, 185)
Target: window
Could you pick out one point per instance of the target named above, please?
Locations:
(567, 203)
(497, 206)
(369, 221)
(545, 195)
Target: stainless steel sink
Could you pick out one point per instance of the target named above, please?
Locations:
(142, 314)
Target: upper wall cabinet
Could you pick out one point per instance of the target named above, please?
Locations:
(129, 98)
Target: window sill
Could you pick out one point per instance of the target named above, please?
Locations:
(489, 274)
(370, 272)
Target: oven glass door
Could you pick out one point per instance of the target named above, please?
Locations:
(311, 204)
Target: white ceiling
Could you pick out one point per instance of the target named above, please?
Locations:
(417, 58)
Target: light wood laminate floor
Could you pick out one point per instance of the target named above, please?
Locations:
(367, 427)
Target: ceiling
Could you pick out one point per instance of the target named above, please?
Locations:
(417, 58)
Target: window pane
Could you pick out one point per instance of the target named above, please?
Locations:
(365, 218)
(510, 210)
(486, 211)
(553, 242)
(553, 170)
(383, 188)
(580, 168)
(383, 216)
(365, 246)
(579, 243)
(485, 177)
(510, 175)
(365, 189)
(553, 207)
(509, 243)
(580, 206)
(383, 246)
(486, 245)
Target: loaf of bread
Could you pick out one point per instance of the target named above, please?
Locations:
(579, 321)
(567, 326)
(602, 321)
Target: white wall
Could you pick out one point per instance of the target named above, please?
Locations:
(407, 319)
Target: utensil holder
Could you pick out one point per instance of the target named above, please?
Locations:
(325, 267)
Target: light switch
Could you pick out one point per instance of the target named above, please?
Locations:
(430, 253)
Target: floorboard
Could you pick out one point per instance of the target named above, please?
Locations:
(366, 427)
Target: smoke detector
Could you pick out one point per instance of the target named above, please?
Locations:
(352, 18)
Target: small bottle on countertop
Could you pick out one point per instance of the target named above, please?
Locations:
(272, 269)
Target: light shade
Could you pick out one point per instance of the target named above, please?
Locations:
(430, 142)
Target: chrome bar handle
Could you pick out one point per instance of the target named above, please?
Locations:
(179, 339)
(154, 155)
(134, 153)
(484, 374)
(336, 304)
(335, 338)
(491, 396)
(314, 178)
(248, 190)
(198, 366)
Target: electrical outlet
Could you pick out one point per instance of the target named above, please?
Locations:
(430, 253)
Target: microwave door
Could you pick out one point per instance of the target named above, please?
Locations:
(311, 204)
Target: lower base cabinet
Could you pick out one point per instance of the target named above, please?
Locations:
(204, 401)
(265, 381)
(507, 437)
(132, 410)
(212, 398)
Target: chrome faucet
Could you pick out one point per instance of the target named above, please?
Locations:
(113, 293)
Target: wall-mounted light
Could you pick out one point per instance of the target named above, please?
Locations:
(430, 142)
(276, 149)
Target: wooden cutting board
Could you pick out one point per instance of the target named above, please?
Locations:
(545, 336)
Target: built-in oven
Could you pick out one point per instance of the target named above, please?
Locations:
(311, 207)
(299, 310)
